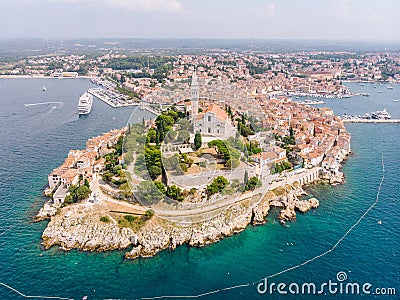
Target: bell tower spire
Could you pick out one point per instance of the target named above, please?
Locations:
(194, 94)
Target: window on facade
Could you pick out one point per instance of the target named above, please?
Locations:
(209, 118)
(218, 131)
(209, 130)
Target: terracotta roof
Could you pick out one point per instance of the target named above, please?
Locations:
(199, 116)
(71, 173)
(265, 155)
(218, 111)
(279, 149)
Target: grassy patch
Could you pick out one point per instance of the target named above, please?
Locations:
(279, 191)
(269, 195)
(132, 222)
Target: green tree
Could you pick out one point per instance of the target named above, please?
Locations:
(183, 136)
(154, 171)
(160, 186)
(217, 185)
(252, 184)
(183, 167)
(222, 148)
(170, 136)
(232, 163)
(246, 177)
(149, 213)
(105, 219)
(197, 140)
(175, 193)
(171, 163)
(279, 168)
(148, 193)
(82, 192)
(185, 124)
(153, 156)
(151, 135)
(126, 190)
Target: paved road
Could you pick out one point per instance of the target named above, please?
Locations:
(292, 177)
(95, 187)
(269, 183)
(224, 202)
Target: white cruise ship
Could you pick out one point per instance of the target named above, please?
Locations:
(85, 104)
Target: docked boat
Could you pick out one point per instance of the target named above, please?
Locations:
(395, 100)
(85, 104)
(312, 102)
(366, 116)
(381, 115)
(390, 87)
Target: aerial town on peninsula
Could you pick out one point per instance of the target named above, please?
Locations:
(165, 149)
(226, 142)
(225, 137)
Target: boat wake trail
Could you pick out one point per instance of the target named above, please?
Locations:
(44, 103)
(52, 109)
(288, 269)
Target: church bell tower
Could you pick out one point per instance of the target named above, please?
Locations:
(194, 95)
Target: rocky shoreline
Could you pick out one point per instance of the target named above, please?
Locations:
(78, 227)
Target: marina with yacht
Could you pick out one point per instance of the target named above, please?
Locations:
(361, 120)
(112, 98)
(380, 116)
(311, 102)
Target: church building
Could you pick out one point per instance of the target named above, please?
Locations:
(213, 121)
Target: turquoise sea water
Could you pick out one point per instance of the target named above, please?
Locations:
(35, 139)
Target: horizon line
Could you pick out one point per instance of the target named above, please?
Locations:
(204, 38)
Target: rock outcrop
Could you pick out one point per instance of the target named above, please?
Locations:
(80, 229)
(290, 202)
(159, 234)
(260, 211)
(78, 226)
(305, 205)
(287, 214)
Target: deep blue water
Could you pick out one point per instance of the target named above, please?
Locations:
(35, 139)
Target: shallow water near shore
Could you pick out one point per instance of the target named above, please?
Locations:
(37, 138)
